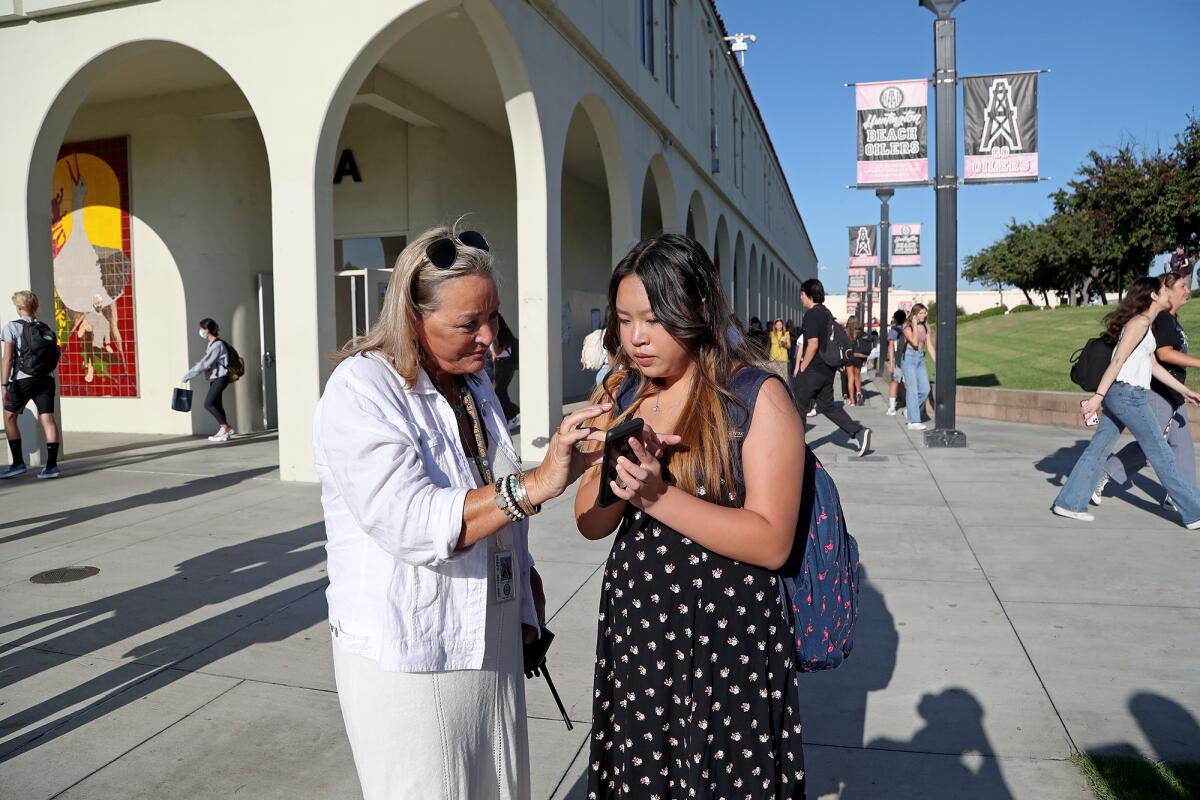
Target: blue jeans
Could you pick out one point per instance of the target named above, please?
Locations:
(1130, 459)
(916, 383)
(1128, 406)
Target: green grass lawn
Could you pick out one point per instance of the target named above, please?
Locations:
(1033, 350)
(1124, 778)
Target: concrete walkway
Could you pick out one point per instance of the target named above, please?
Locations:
(994, 639)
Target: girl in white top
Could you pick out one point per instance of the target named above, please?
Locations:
(1123, 396)
(431, 583)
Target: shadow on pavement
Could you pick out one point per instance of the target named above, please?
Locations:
(1058, 466)
(208, 580)
(98, 460)
(1174, 737)
(169, 494)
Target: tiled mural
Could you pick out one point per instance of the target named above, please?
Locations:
(93, 269)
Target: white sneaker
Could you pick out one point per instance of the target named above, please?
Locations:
(891, 412)
(222, 436)
(1191, 526)
(1082, 516)
(812, 412)
(864, 442)
(916, 426)
(1098, 494)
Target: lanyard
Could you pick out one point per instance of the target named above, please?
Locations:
(467, 403)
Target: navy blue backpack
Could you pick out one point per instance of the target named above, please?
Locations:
(820, 578)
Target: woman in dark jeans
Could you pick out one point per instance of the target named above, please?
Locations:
(505, 356)
(214, 364)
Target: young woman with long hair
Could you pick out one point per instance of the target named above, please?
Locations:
(915, 331)
(781, 345)
(1168, 405)
(1123, 393)
(695, 680)
(861, 343)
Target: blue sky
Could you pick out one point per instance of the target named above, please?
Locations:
(1121, 70)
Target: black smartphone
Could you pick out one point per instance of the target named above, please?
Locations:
(616, 444)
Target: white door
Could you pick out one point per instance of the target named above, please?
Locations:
(266, 338)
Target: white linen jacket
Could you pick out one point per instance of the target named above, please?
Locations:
(394, 479)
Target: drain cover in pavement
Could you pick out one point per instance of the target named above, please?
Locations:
(64, 575)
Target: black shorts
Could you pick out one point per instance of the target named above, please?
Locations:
(39, 390)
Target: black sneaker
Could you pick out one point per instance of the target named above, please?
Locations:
(864, 441)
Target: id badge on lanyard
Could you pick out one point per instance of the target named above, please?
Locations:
(504, 573)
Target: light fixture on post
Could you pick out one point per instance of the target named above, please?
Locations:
(740, 43)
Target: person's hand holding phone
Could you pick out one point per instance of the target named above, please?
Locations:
(640, 480)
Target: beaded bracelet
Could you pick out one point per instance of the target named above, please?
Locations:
(506, 504)
(510, 492)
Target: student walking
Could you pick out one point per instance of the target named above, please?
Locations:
(30, 356)
(1124, 394)
(505, 353)
(432, 589)
(695, 678)
(862, 349)
(1167, 405)
(814, 375)
(915, 331)
(895, 358)
(215, 366)
(781, 345)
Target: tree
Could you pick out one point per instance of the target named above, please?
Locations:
(1123, 208)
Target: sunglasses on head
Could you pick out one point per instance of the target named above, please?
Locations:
(443, 252)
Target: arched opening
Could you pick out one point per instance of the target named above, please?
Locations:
(723, 260)
(660, 211)
(434, 146)
(742, 280)
(588, 242)
(152, 172)
(756, 284)
(652, 210)
(697, 223)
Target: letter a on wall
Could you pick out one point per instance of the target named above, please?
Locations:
(347, 166)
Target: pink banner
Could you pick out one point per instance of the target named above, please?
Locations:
(906, 244)
(858, 279)
(1015, 166)
(893, 132)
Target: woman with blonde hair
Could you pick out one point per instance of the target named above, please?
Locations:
(695, 678)
(432, 589)
(915, 331)
(781, 346)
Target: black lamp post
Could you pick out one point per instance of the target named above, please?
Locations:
(945, 184)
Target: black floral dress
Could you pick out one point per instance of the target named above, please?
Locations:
(695, 683)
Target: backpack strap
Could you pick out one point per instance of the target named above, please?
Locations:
(626, 391)
(745, 386)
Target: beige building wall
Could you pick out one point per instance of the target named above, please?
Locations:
(232, 176)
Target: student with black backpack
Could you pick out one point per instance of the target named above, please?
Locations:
(1123, 393)
(826, 349)
(30, 357)
(222, 366)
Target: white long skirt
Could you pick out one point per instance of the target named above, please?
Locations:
(457, 735)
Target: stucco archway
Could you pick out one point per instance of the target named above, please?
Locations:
(594, 196)
(697, 223)
(478, 142)
(742, 280)
(154, 272)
